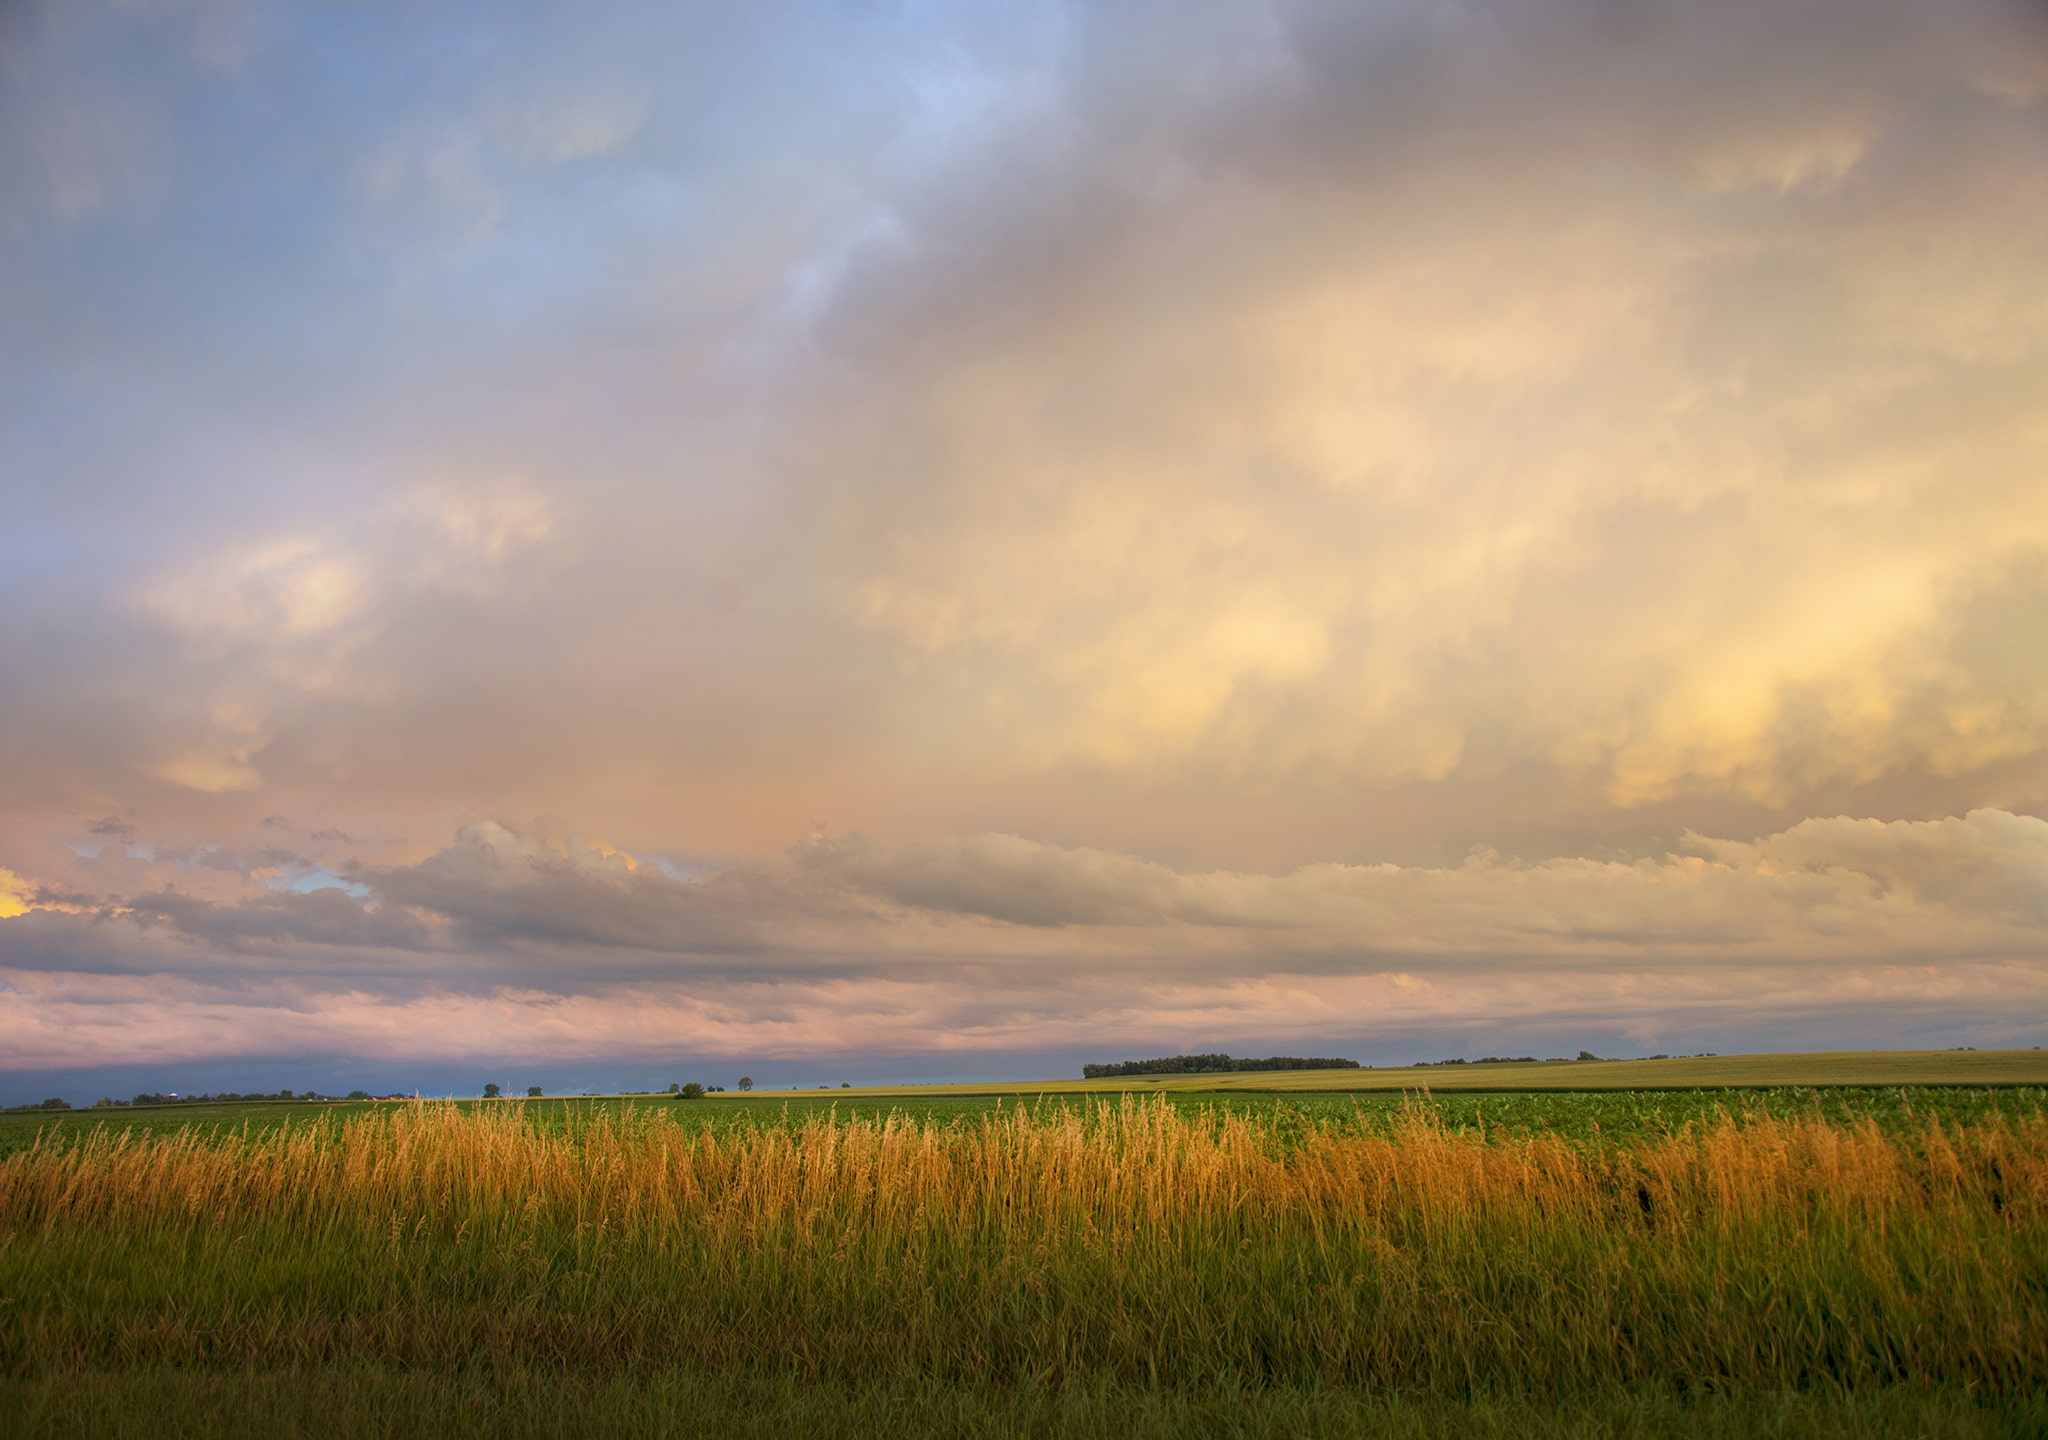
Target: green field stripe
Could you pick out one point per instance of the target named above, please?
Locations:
(1845, 1067)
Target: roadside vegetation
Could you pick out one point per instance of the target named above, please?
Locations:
(1132, 1265)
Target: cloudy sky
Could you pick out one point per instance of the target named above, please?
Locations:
(947, 538)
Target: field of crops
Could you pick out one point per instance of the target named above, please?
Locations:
(1856, 1262)
(1685, 1072)
(1597, 1115)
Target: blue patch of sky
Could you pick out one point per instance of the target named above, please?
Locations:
(683, 868)
(318, 878)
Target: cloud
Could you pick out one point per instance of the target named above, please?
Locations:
(1317, 401)
(287, 587)
(1007, 878)
(499, 887)
(582, 126)
(58, 1021)
(1005, 942)
(1173, 500)
(1337, 480)
(326, 917)
(1972, 884)
(1976, 884)
(1988, 865)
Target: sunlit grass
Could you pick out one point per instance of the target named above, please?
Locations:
(1590, 1115)
(1134, 1245)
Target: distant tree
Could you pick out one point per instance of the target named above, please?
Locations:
(674, 1089)
(358, 1094)
(845, 1085)
(533, 1092)
(691, 1091)
(1588, 1055)
(53, 1103)
(491, 1091)
(746, 1082)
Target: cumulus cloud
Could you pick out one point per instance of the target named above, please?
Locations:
(60, 1020)
(508, 937)
(1973, 884)
(325, 917)
(498, 887)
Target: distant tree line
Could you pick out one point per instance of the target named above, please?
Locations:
(224, 1096)
(1209, 1065)
(1492, 1060)
(209, 1098)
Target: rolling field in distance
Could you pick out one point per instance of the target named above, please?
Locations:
(1849, 1067)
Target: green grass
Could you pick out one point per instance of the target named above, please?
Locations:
(21, 1129)
(1589, 1115)
(345, 1401)
(1782, 1261)
(1818, 1068)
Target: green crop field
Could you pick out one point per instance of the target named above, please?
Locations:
(1791, 1260)
(1609, 1115)
(1855, 1067)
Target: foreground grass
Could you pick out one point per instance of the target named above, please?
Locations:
(352, 1401)
(1024, 1271)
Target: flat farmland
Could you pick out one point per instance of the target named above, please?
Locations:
(1816, 1068)
(1790, 1260)
(1602, 1115)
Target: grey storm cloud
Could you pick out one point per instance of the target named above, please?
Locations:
(495, 886)
(1901, 886)
(323, 917)
(504, 938)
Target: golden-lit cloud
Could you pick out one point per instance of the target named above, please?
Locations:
(14, 895)
(211, 774)
(291, 587)
(1569, 501)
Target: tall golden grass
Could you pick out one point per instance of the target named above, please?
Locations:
(1133, 1242)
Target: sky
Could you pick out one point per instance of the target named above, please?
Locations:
(620, 542)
